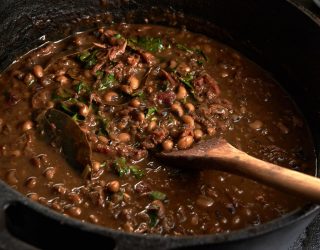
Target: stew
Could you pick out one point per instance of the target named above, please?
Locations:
(135, 90)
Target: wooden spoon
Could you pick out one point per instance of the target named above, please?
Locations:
(220, 155)
(61, 129)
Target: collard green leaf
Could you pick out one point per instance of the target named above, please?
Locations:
(156, 195)
(88, 59)
(151, 44)
(107, 82)
(151, 112)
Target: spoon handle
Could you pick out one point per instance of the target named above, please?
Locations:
(285, 179)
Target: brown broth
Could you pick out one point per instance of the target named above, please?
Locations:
(252, 112)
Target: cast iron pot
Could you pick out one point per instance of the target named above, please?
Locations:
(280, 36)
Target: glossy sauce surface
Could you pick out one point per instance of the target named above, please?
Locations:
(135, 90)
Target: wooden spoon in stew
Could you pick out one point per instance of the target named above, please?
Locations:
(214, 153)
(66, 134)
(218, 154)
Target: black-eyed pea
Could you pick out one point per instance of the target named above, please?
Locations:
(38, 71)
(182, 93)
(135, 103)
(103, 139)
(256, 125)
(31, 182)
(126, 197)
(1, 124)
(236, 220)
(185, 142)
(167, 145)
(15, 153)
(33, 196)
(95, 166)
(110, 96)
(140, 117)
(79, 40)
(93, 218)
(197, 134)
(176, 107)
(88, 73)
(50, 104)
(35, 161)
(59, 188)
(124, 137)
(194, 220)
(204, 201)
(187, 119)
(56, 206)
(189, 107)
(83, 109)
(134, 82)
(211, 131)
(152, 125)
(173, 64)
(127, 227)
(126, 89)
(74, 211)
(113, 186)
(75, 198)
(43, 201)
(150, 89)
(63, 80)
(184, 68)
(61, 72)
(49, 173)
(11, 177)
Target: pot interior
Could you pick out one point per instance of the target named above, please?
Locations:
(282, 40)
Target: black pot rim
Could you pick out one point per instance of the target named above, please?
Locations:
(242, 234)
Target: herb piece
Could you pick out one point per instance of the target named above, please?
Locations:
(107, 82)
(71, 111)
(152, 44)
(184, 48)
(201, 53)
(81, 87)
(187, 80)
(103, 165)
(77, 118)
(137, 172)
(200, 62)
(99, 74)
(151, 111)
(192, 50)
(88, 59)
(156, 195)
(84, 55)
(117, 36)
(153, 216)
(121, 167)
(70, 108)
(103, 129)
(139, 94)
(66, 108)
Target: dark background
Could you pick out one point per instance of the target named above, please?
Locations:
(310, 239)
